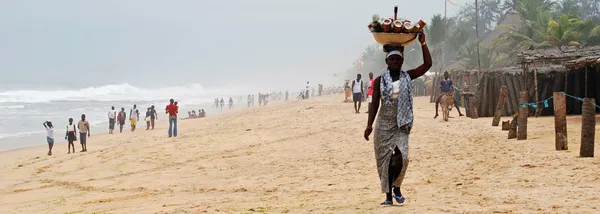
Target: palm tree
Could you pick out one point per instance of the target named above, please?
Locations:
(565, 31)
(488, 58)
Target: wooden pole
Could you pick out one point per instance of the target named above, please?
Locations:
(588, 126)
(500, 105)
(537, 92)
(512, 131)
(523, 113)
(586, 81)
(473, 102)
(477, 36)
(560, 121)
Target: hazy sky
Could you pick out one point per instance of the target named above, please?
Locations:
(211, 42)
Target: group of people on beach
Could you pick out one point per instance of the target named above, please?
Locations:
(83, 128)
(71, 134)
(134, 117)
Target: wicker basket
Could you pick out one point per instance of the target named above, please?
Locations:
(403, 39)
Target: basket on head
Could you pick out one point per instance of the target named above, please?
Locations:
(403, 39)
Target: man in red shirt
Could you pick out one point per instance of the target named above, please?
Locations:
(370, 90)
(172, 110)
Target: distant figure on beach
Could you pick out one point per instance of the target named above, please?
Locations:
(153, 116)
(216, 102)
(222, 104)
(230, 103)
(393, 90)
(172, 111)
(49, 136)
(370, 91)
(148, 115)
(446, 86)
(121, 118)
(84, 132)
(357, 89)
(133, 119)
(201, 113)
(70, 136)
(287, 95)
(112, 116)
(348, 90)
(131, 114)
(249, 100)
(306, 92)
(253, 99)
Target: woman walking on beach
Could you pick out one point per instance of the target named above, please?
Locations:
(70, 135)
(49, 136)
(393, 89)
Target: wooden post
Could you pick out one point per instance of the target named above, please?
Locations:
(473, 102)
(560, 121)
(500, 105)
(588, 127)
(537, 92)
(586, 82)
(523, 113)
(506, 125)
(512, 132)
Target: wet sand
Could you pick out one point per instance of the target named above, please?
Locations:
(301, 157)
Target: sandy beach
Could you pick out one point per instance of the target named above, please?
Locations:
(304, 157)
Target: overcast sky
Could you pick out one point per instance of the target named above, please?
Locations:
(211, 42)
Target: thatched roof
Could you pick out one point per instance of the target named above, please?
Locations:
(556, 56)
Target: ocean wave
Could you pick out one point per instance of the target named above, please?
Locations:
(12, 107)
(119, 92)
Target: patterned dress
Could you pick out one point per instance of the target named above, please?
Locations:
(388, 134)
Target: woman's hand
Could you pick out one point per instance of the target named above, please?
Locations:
(422, 38)
(368, 131)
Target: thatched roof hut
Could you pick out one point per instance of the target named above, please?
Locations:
(540, 72)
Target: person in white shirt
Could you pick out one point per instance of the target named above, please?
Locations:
(112, 115)
(357, 90)
(49, 136)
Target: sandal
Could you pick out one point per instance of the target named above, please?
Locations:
(387, 203)
(400, 200)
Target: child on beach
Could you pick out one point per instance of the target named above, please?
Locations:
(70, 135)
(49, 136)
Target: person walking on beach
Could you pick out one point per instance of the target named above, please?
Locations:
(287, 95)
(370, 91)
(249, 100)
(230, 103)
(131, 114)
(133, 119)
(172, 110)
(307, 90)
(112, 115)
(121, 118)
(70, 136)
(84, 132)
(222, 104)
(148, 115)
(49, 136)
(393, 91)
(153, 116)
(446, 86)
(357, 89)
